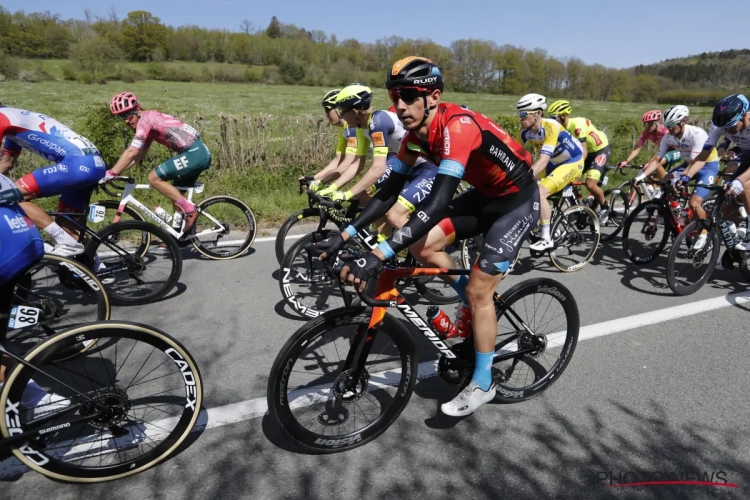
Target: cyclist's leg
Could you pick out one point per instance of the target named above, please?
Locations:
(561, 176)
(516, 217)
(416, 190)
(706, 175)
(594, 168)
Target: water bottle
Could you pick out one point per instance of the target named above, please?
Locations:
(162, 214)
(674, 207)
(650, 191)
(726, 233)
(684, 217)
(177, 219)
(439, 321)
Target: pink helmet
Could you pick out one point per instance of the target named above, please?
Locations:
(652, 116)
(123, 102)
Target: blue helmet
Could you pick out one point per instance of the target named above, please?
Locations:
(730, 110)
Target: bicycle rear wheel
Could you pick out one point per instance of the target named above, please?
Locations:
(646, 232)
(692, 259)
(539, 314)
(225, 228)
(117, 410)
(313, 399)
(296, 226)
(68, 295)
(140, 262)
(576, 237)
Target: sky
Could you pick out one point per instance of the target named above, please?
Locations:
(614, 33)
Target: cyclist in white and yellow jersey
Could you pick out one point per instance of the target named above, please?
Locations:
(595, 151)
(559, 160)
(348, 155)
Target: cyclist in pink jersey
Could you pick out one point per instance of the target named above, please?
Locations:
(183, 169)
(652, 131)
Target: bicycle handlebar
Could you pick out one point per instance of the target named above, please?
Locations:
(324, 202)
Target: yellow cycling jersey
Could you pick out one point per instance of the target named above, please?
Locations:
(582, 129)
(554, 141)
(351, 142)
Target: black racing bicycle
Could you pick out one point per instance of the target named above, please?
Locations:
(344, 377)
(119, 408)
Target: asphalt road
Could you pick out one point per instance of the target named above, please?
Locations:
(670, 397)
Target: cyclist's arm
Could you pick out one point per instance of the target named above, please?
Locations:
(7, 163)
(376, 170)
(547, 150)
(129, 157)
(653, 164)
(580, 134)
(332, 165)
(632, 155)
(383, 200)
(10, 152)
(346, 171)
(381, 128)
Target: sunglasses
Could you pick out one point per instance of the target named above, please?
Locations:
(648, 124)
(124, 117)
(408, 95)
(524, 114)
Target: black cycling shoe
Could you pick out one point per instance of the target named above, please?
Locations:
(727, 261)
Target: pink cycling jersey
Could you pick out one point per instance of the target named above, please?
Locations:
(164, 129)
(654, 137)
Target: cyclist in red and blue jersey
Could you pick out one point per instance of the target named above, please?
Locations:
(21, 246)
(504, 206)
(76, 170)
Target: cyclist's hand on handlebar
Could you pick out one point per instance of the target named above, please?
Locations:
(314, 186)
(331, 246)
(341, 196)
(735, 187)
(678, 182)
(108, 175)
(358, 271)
(622, 164)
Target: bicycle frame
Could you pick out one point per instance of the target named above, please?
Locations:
(386, 295)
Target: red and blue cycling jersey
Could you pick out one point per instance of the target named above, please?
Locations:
(20, 243)
(77, 164)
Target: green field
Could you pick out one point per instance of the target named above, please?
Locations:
(280, 131)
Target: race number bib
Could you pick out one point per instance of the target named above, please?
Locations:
(23, 316)
(96, 213)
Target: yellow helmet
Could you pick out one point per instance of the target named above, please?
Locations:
(354, 96)
(559, 108)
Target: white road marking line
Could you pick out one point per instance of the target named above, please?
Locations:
(258, 407)
(273, 238)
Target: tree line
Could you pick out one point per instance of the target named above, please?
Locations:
(96, 47)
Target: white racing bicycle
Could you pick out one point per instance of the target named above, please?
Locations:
(225, 227)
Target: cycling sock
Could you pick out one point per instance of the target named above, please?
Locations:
(483, 370)
(186, 206)
(460, 287)
(545, 229)
(59, 235)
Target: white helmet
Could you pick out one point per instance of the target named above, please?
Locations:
(675, 115)
(532, 102)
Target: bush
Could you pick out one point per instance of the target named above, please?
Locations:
(9, 66)
(95, 58)
(510, 124)
(109, 134)
(69, 72)
(292, 72)
(27, 76)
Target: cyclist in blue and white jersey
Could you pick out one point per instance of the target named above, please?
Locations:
(76, 169)
(20, 246)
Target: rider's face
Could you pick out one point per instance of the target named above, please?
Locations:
(132, 120)
(676, 130)
(651, 126)
(410, 105)
(739, 126)
(528, 120)
(333, 117)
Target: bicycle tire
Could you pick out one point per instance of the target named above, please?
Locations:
(252, 226)
(570, 232)
(507, 393)
(308, 217)
(132, 265)
(187, 401)
(57, 311)
(632, 193)
(618, 213)
(403, 368)
(295, 272)
(685, 237)
(660, 220)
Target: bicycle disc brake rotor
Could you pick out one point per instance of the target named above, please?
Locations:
(348, 391)
(538, 344)
(134, 264)
(113, 404)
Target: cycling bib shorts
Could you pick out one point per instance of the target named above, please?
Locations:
(185, 168)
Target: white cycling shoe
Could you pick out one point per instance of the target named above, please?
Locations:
(542, 245)
(701, 241)
(468, 400)
(62, 250)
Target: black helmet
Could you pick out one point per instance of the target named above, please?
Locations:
(414, 72)
(329, 101)
(729, 110)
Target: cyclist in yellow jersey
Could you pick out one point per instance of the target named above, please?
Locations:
(595, 150)
(348, 155)
(559, 160)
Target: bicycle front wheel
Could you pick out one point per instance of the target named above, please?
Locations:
(138, 262)
(225, 228)
(114, 411)
(539, 317)
(298, 225)
(646, 232)
(311, 392)
(576, 237)
(693, 257)
(67, 295)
